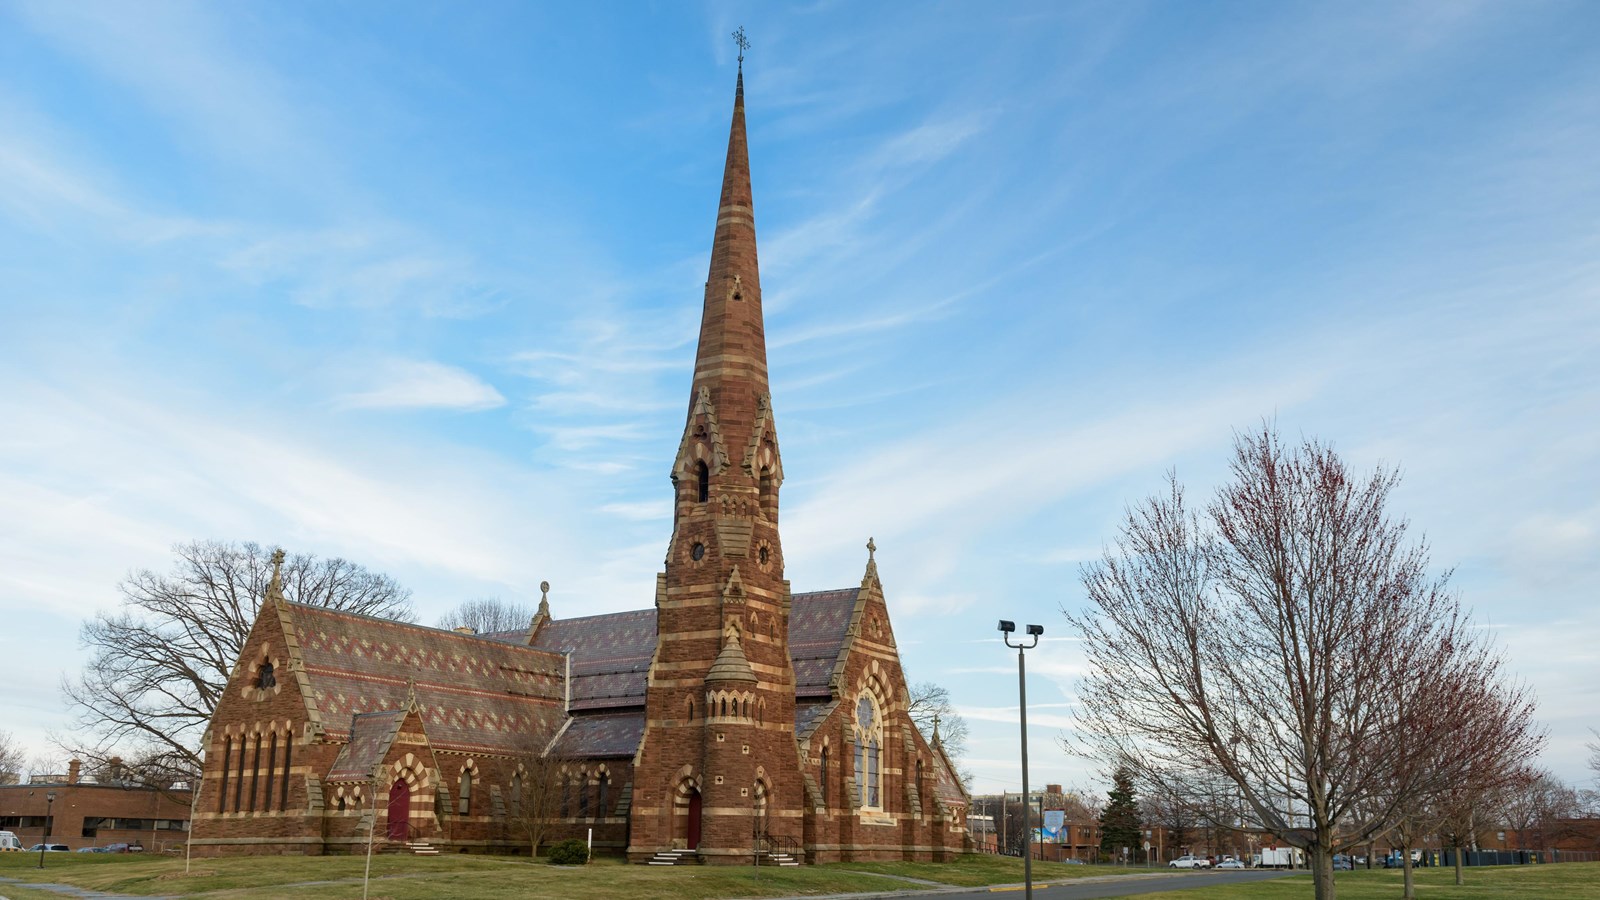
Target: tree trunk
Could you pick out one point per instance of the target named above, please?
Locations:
(1460, 877)
(1405, 869)
(1320, 859)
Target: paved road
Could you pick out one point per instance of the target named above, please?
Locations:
(1112, 887)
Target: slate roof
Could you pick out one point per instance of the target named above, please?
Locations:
(475, 694)
(610, 656)
(818, 623)
(807, 715)
(605, 734)
(371, 735)
(945, 784)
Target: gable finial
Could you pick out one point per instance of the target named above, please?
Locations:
(744, 44)
(275, 586)
(872, 548)
(542, 614)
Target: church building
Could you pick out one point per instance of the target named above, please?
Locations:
(731, 717)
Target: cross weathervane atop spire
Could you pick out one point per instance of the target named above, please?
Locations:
(744, 44)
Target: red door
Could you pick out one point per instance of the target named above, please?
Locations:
(399, 810)
(694, 820)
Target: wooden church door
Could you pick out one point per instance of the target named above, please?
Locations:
(399, 810)
(694, 820)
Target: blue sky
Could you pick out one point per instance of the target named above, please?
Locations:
(418, 285)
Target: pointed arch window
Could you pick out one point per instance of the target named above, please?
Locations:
(869, 741)
(466, 793)
(605, 784)
(272, 769)
(823, 776)
(702, 478)
(265, 677)
(583, 797)
(255, 773)
(516, 794)
(283, 797)
(222, 795)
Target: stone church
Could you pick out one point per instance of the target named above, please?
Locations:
(733, 716)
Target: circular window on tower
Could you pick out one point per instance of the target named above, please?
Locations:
(698, 551)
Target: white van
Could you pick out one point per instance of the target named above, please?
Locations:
(8, 841)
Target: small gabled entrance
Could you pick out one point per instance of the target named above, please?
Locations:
(399, 822)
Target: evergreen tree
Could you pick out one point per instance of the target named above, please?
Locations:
(1120, 824)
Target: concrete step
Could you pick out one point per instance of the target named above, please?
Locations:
(674, 858)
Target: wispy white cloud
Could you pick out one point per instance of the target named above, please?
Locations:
(421, 384)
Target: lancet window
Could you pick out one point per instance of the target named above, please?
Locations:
(869, 744)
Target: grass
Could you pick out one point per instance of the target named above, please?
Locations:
(1566, 881)
(492, 877)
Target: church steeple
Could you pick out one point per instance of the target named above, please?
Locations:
(721, 690)
(732, 337)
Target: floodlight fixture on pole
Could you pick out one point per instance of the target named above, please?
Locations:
(1008, 627)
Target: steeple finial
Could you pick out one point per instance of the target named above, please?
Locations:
(744, 44)
(544, 599)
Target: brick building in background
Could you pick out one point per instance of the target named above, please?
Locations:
(94, 814)
(733, 714)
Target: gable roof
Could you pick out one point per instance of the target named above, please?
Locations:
(474, 694)
(819, 622)
(371, 736)
(611, 656)
(603, 734)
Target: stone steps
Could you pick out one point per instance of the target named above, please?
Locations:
(674, 858)
(782, 859)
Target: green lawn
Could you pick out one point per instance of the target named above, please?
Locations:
(489, 877)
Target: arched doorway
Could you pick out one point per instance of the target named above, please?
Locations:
(399, 810)
(692, 821)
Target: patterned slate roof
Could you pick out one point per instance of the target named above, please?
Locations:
(606, 734)
(371, 734)
(807, 715)
(610, 656)
(945, 784)
(475, 694)
(818, 623)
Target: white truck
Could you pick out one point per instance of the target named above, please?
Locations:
(8, 841)
(1278, 858)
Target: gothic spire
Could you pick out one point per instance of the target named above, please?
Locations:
(733, 345)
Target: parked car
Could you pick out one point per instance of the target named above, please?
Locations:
(93, 850)
(1073, 862)
(1342, 863)
(1230, 864)
(134, 847)
(48, 848)
(1190, 862)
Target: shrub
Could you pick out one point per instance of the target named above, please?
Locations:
(570, 852)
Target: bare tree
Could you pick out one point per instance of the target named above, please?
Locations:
(1594, 754)
(1292, 640)
(488, 614)
(930, 703)
(159, 663)
(11, 759)
(536, 790)
(1539, 808)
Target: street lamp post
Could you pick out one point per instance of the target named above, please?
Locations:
(49, 819)
(1034, 631)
